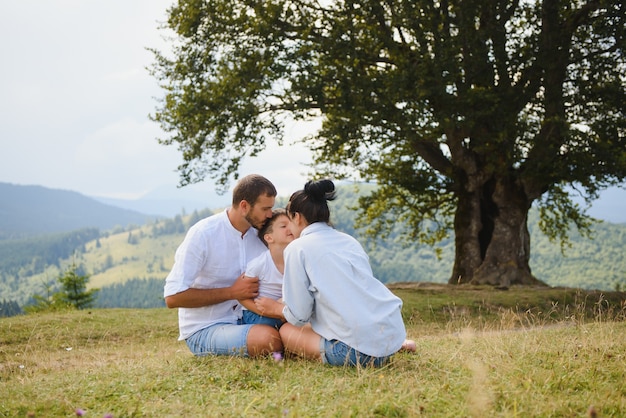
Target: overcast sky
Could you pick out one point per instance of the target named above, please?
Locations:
(75, 97)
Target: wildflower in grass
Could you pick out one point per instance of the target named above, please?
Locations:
(277, 355)
(79, 412)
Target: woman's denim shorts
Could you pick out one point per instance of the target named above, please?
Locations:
(336, 353)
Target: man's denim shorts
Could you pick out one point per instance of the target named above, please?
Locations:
(336, 353)
(220, 339)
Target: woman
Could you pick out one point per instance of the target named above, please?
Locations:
(337, 311)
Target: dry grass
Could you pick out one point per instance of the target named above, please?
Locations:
(476, 357)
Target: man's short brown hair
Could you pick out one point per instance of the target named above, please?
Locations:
(250, 187)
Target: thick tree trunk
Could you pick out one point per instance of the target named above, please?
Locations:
(491, 236)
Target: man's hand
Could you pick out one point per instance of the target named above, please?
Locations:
(242, 288)
(245, 287)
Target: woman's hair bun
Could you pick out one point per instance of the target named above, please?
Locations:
(320, 190)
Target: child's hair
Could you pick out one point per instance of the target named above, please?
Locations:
(267, 227)
(312, 201)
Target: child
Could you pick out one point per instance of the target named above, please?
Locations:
(269, 267)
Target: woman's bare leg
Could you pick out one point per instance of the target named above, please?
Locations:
(409, 345)
(302, 341)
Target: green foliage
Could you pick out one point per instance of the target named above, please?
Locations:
(597, 262)
(465, 113)
(593, 261)
(73, 293)
(31, 255)
(133, 293)
(558, 213)
(50, 301)
(26, 264)
(74, 289)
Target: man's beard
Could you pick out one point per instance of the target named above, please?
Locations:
(256, 224)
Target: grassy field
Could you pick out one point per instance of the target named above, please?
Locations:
(480, 353)
(147, 258)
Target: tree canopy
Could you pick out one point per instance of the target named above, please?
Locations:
(464, 113)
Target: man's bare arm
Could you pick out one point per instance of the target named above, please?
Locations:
(249, 303)
(195, 298)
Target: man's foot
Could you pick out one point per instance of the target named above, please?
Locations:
(409, 346)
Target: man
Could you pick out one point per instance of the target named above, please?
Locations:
(207, 280)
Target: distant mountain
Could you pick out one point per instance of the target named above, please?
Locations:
(33, 210)
(169, 200)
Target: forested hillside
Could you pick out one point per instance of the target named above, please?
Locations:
(597, 263)
(130, 265)
(127, 265)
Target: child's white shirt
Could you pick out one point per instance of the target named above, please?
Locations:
(270, 279)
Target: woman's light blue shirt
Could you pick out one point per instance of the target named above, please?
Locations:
(328, 282)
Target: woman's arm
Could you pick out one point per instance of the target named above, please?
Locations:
(297, 294)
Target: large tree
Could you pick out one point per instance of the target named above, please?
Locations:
(465, 113)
